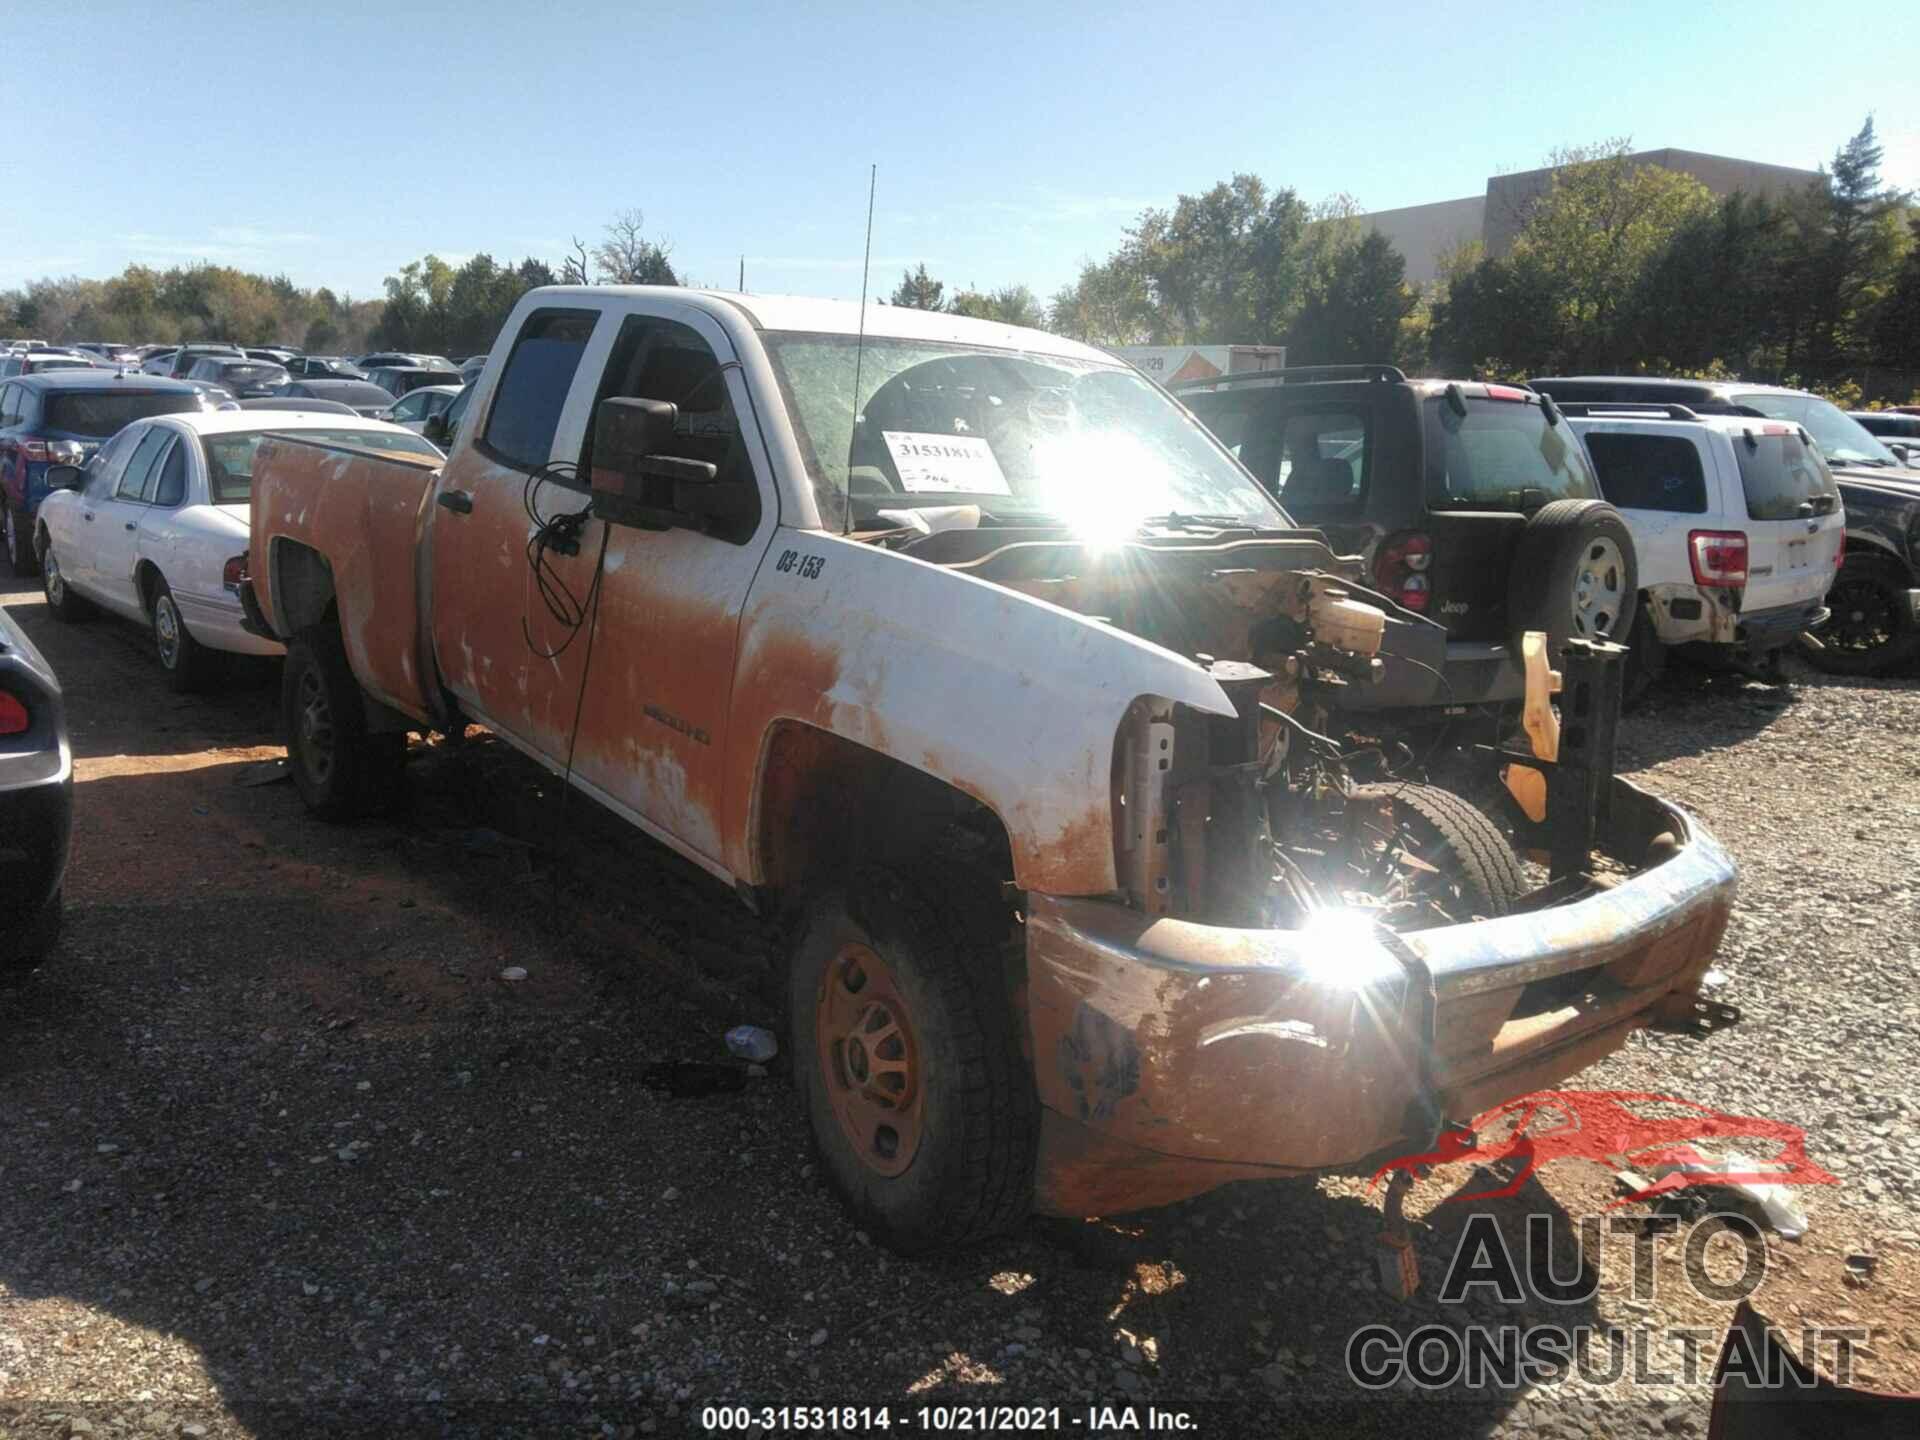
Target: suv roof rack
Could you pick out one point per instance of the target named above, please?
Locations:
(1302, 374)
(1592, 408)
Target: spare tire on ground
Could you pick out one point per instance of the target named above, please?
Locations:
(1574, 576)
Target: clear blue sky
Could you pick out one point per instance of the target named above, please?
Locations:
(335, 140)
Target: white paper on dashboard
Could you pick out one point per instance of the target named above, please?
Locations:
(945, 464)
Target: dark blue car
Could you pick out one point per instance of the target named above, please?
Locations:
(36, 801)
(61, 418)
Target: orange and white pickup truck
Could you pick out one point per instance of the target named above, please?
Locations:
(969, 649)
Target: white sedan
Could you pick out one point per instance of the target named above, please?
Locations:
(413, 409)
(156, 527)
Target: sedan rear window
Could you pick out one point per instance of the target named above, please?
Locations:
(97, 416)
(230, 456)
(1782, 473)
(1501, 455)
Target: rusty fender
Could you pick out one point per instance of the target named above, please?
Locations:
(362, 513)
(1171, 1056)
(1013, 701)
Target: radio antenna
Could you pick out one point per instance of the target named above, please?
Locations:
(860, 344)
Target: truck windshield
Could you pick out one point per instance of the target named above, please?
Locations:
(1841, 438)
(1501, 455)
(1027, 437)
(230, 455)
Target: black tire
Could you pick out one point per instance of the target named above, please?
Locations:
(1478, 866)
(24, 944)
(940, 950)
(1646, 660)
(1571, 549)
(18, 537)
(341, 771)
(1872, 630)
(189, 666)
(63, 601)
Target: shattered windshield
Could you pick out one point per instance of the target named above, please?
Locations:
(1029, 438)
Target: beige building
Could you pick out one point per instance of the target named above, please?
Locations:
(1423, 233)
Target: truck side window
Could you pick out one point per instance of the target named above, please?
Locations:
(655, 359)
(533, 387)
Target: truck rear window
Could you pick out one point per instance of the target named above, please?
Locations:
(97, 416)
(1501, 455)
(1649, 472)
(1781, 472)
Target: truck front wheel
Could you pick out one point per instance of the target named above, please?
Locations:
(908, 1061)
(341, 771)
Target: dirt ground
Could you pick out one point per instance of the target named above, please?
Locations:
(281, 1154)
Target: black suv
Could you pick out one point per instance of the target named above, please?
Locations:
(1875, 599)
(1472, 504)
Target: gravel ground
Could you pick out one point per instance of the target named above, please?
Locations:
(281, 1154)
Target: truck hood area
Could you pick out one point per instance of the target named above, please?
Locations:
(1234, 595)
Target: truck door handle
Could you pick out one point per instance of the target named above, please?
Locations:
(131, 525)
(87, 515)
(458, 501)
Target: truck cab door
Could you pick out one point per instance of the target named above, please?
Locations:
(477, 539)
(639, 706)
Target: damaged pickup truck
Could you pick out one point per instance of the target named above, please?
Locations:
(968, 649)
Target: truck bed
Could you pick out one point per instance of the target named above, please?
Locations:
(365, 512)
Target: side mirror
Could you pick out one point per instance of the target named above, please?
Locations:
(436, 429)
(636, 483)
(63, 477)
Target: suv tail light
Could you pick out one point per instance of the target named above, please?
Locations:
(14, 718)
(1719, 558)
(234, 572)
(1401, 569)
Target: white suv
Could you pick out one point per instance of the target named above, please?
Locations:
(1736, 520)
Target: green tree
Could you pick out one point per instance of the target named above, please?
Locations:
(1356, 314)
(1897, 324)
(1010, 305)
(1856, 267)
(1587, 241)
(1108, 305)
(918, 290)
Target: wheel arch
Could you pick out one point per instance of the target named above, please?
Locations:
(301, 584)
(823, 804)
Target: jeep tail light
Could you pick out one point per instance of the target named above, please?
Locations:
(1401, 569)
(14, 718)
(1719, 558)
(234, 572)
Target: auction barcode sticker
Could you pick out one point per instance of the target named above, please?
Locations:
(946, 464)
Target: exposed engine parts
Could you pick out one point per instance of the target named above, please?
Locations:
(1256, 819)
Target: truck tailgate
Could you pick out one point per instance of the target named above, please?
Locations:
(363, 515)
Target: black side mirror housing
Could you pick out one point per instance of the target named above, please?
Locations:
(63, 477)
(635, 482)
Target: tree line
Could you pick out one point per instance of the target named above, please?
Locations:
(1616, 266)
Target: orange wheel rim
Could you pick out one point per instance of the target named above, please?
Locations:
(870, 1060)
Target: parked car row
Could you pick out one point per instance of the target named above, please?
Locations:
(1724, 520)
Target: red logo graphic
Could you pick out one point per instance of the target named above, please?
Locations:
(1604, 1126)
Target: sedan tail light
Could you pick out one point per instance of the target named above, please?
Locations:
(234, 572)
(14, 718)
(1719, 558)
(1401, 567)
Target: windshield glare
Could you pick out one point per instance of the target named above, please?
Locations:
(1842, 439)
(1027, 437)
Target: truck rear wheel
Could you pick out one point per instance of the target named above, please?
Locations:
(341, 771)
(1872, 629)
(908, 1060)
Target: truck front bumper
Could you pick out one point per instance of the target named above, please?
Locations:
(1171, 1057)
